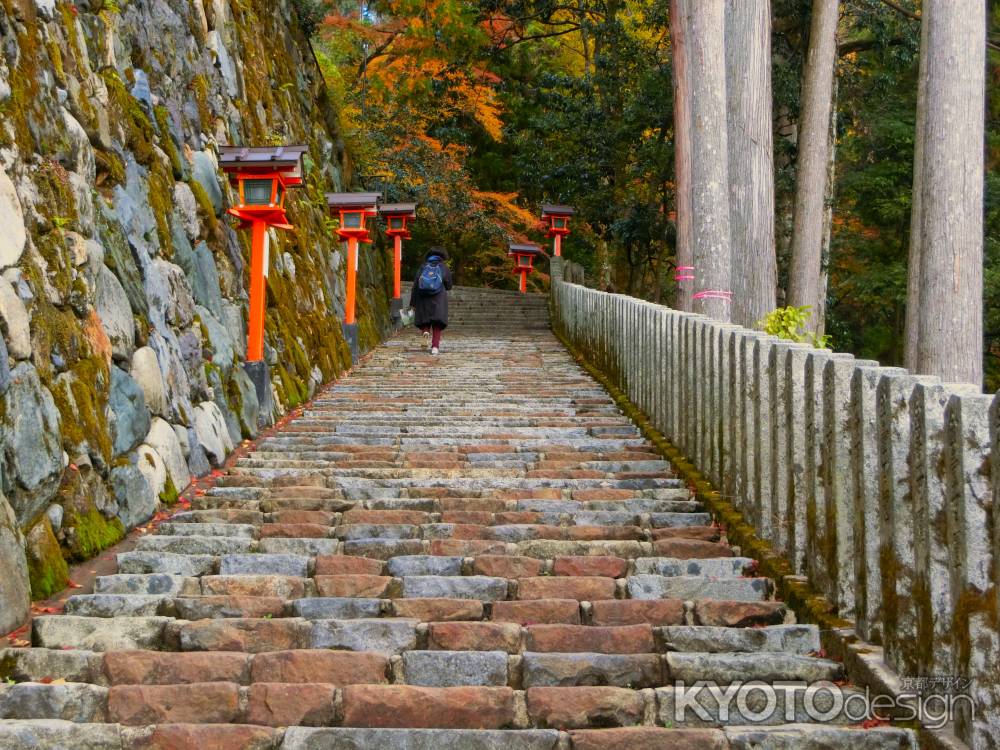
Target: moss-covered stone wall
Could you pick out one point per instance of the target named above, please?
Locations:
(123, 283)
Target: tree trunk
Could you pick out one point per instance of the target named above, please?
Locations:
(813, 160)
(951, 242)
(751, 159)
(828, 200)
(682, 147)
(706, 30)
(911, 354)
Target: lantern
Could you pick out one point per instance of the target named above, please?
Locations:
(558, 220)
(353, 210)
(524, 260)
(397, 219)
(261, 176)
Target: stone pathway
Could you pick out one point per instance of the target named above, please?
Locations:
(472, 551)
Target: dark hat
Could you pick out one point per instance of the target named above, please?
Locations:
(439, 251)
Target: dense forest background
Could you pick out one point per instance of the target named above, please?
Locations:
(482, 109)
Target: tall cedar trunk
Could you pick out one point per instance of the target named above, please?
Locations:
(831, 185)
(705, 41)
(911, 353)
(682, 145)
(813, 160)
(751, 159)
(951, 242)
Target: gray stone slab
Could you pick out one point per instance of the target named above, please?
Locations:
(483, 588)
(697, 587)
(813, 737)
(196, 545)
(302, 738)
(149, 584)
(114, 605)
(296, 566)
(713, 567)
(208, 529)
(336, 608)
(424, 565)
(383, 549)
(50, 734)
(98, 633)
(383, 636)
(36, 664)
(70, 702)
(742, 667)
(588, 669)
(299, 546)
(455, 668)
(669, 520)
(693, 706)
(796, 639)
(168, 563)
(377, 531)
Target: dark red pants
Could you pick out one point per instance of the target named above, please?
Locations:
(435, 334)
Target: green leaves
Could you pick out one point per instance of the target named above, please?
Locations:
(789, 323)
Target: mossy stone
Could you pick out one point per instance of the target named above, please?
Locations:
(47, 569)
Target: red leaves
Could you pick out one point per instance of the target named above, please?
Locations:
(874, 723)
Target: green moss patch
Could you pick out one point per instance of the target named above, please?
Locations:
(47, 569)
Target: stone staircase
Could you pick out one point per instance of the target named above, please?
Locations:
(466, 552)
(479, 309)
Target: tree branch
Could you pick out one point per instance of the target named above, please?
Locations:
(862, 45)
(901, 10)
(377, 52)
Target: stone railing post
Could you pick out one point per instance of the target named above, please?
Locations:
(971, 533)
(820, 532)
(931, 548)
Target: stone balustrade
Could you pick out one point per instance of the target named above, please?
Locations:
(873, 482)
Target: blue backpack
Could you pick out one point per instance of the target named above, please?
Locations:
(431, 281)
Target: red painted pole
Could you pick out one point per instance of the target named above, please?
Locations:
(524, 282)
(397, 266)
(558, 245)
(352, 277)
(255, 344)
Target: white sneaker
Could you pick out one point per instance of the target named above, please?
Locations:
(425, 334)
(434, 350)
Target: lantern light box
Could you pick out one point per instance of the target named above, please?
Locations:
(262, 175)
(353, 209)
(558, 220)
(524, 259)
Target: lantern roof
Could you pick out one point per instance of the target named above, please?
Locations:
(356, 201)
(525, 250)
(398, 209)
(285, 159)
(551, 209)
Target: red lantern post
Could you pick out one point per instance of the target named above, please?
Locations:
(397, 216)
(261, 176)
(524, 260)
(352, 209)
(558, 219)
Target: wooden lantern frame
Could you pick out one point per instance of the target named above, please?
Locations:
(397, 218)
(353, 210)
(558, 218)
(279, 165)
(524, 261)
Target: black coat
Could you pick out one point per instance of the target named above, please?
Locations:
(431, 310)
